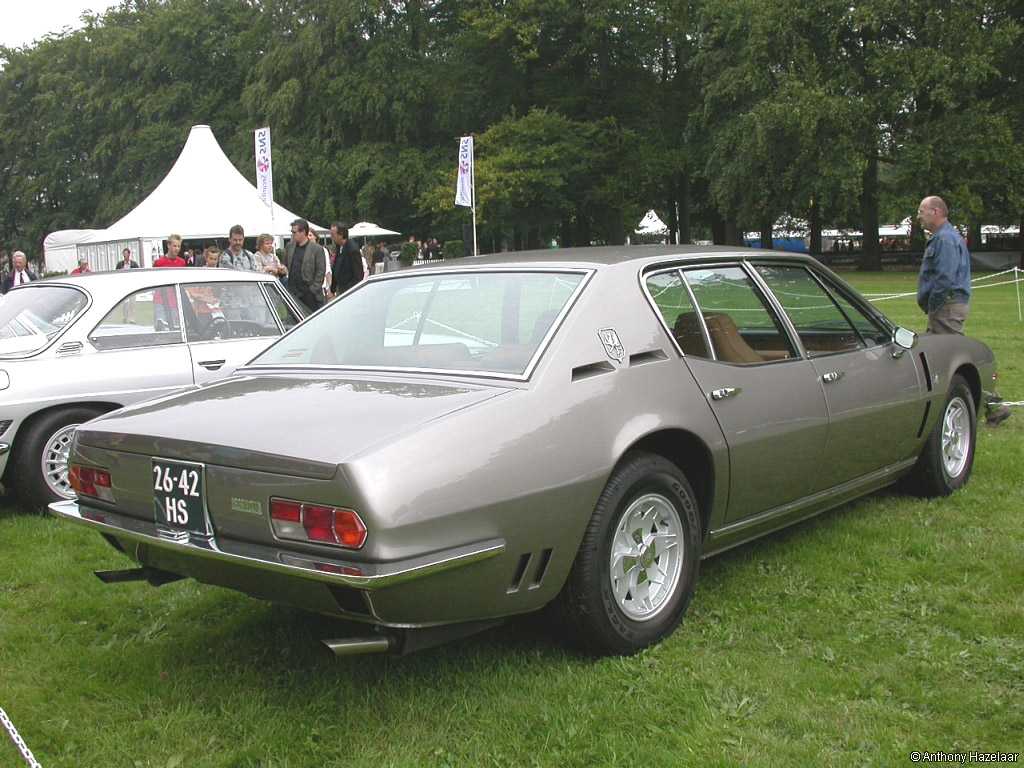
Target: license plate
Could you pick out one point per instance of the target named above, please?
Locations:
(179, 496)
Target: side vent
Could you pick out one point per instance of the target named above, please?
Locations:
(581, 372)
(542, 569)
(69, 348)
(927, 370)
(520, 574)
(651, 356)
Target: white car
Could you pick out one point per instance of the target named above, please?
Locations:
(77, 347)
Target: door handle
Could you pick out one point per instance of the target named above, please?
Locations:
(212, 365)
(832, 376)
(724, 392)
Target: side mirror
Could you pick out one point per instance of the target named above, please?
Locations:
(904, 338)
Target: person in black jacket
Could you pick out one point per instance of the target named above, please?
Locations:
(348, 264)
(126, 260)
(22, 274)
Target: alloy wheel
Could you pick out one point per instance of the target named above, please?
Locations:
(646, 556)
(56, 452)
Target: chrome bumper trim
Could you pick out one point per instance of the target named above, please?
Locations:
(4, 448)
(259, 557)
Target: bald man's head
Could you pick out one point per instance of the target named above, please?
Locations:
(932, 212)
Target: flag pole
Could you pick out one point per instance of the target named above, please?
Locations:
(472, 168)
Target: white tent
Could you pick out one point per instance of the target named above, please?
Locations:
(896, 230)
(202, 196)
(369, 229)
(651, 224)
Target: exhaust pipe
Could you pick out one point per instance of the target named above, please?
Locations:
(357, 646)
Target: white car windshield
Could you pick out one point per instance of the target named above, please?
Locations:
(30, 317)
(473, 322)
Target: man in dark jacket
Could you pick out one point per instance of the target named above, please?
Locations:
(348, 264)
(126, 261)
(22, 274)
(306, 261)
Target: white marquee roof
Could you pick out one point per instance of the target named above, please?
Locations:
(202, 196)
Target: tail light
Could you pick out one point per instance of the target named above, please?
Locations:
(90, 481)
(317, 523)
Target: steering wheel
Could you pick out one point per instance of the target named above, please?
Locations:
(219, 328)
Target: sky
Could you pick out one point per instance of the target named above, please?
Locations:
(24, 21)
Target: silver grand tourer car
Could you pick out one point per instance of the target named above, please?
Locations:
(443, 448)
(76, 347)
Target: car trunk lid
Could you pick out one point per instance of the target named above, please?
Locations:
(298, 424)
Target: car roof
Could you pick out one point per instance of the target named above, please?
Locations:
(597, 257)
(124, 280)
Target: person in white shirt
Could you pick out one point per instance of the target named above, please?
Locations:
(22, 274)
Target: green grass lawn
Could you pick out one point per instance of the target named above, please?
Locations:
(886, 626)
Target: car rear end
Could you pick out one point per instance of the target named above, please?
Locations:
(290, 526)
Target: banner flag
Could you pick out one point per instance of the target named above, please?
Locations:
(464, 186)
(264, 172)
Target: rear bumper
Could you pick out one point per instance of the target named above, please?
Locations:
(256, 557)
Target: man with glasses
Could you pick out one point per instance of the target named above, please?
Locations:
(306, 261)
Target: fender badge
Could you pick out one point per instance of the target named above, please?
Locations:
(246, 505)
(612, 346)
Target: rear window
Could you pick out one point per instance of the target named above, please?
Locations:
(31, 317)
(483, 322)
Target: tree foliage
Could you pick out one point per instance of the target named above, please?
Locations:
(586, 113)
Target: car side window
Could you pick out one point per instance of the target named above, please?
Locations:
(146, 318)
(742, 328)
(282, 308)
(821, 325)
(676, 308)
(226, 311)
(870, 328)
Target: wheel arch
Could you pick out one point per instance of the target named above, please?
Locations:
(970, 374)
(693, 458)
(100, 406)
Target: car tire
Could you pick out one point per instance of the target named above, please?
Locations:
(947, 458)
(46, 435)
(605, 607)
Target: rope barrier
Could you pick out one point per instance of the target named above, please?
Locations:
(12, 732)
(1017, 271)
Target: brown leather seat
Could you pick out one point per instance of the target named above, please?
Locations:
(689, 335)
(730, 347)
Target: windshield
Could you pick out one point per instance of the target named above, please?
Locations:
(491, 322)
(30, 317)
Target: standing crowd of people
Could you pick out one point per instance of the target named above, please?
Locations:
(312, 273)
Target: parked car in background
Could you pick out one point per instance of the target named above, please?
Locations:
(76, 347)
(573, 429)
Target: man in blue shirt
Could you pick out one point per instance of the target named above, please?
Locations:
(944, 283)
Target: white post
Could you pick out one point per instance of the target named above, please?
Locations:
(1017, 271)
(472, 168)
